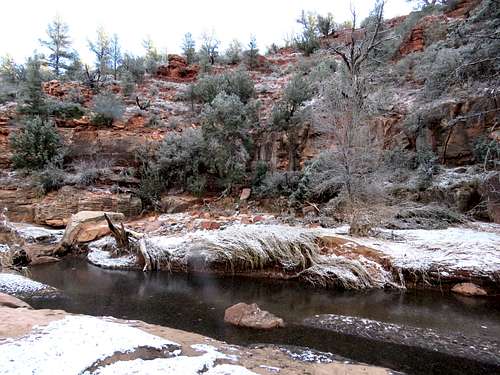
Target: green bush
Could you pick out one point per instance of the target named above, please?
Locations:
(225, 128)
(64, 110)
(237, 83)
(279, 184)
(180, 158)
(135, 66)
(487, 151)
(107, 108)
(36, 145)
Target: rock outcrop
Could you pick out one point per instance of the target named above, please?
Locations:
(86, 226)
(251, 316)
(178, 70)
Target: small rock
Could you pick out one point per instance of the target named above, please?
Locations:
(210, 225)
(251, 316)
(245, 194)
(13, 302)
(469, 289)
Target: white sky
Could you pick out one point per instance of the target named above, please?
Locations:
(25, 21)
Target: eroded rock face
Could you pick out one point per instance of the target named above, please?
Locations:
(178, 70)
(469, 289)
(86, 226)
(56, 208)
(251, 316)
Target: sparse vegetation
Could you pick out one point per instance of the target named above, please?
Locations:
(107, 108)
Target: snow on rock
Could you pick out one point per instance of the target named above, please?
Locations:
(32, 233)
(16, 284)
(100, 257)
(72, 345)
(205, 363)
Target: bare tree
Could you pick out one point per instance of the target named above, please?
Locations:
(358, 153)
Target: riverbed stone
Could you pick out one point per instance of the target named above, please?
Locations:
(469, 289)
(86, 226)
(7, 300)
(251, 316)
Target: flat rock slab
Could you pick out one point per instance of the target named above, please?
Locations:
(13, 302)
(454, 344)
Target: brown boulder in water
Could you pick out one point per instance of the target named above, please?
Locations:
(469, 289)
(251, 316)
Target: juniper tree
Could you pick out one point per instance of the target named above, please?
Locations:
(325, 24)
(307, 41)
(59, 44)
(33, 101)
(233, 52)
(189, 48)
(252, 54)
(226, 122)
(10, 71)
(289, 115)
(115, 54)
(101, 48)
(152, 58)
(36, 145)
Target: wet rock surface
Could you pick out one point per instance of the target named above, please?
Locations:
(476, 349)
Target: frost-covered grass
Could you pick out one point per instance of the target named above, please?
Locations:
(295, 251)
(86, 345)
(247, 248)
(19, 285)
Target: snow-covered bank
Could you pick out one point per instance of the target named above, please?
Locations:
(473, 250)
(289, 252)
(328, 257)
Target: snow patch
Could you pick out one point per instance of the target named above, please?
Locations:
(71, 345)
